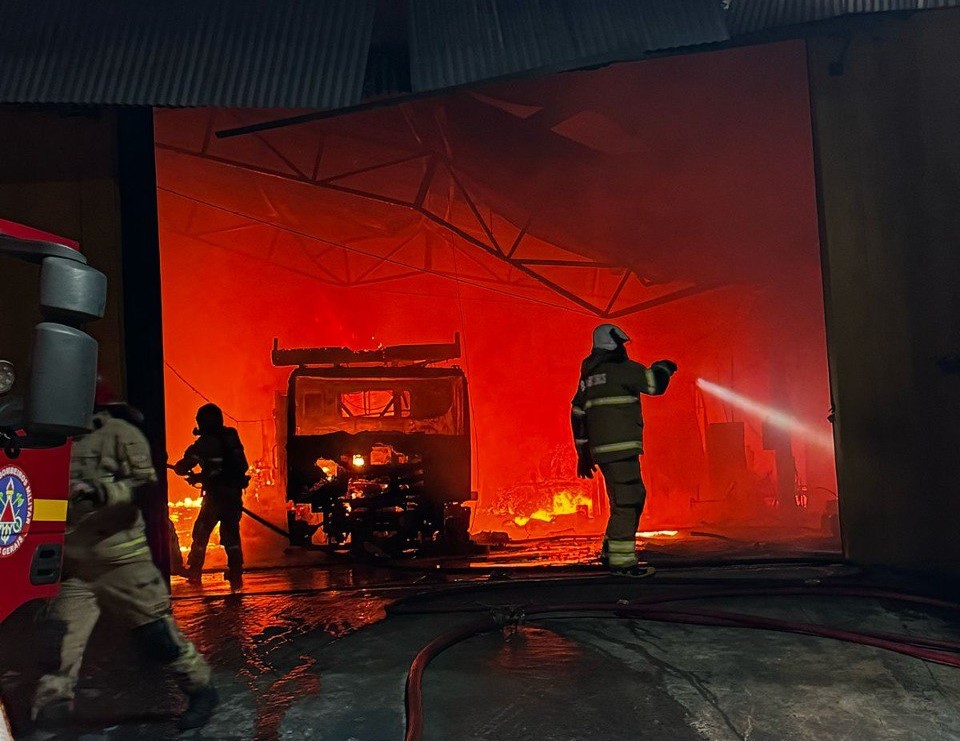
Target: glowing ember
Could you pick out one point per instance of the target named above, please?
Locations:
(564, 503)
(658, 534)
(327, 467)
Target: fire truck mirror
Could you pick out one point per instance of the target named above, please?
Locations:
(71, 292)
(62, 382)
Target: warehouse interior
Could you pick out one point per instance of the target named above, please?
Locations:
(521, 216)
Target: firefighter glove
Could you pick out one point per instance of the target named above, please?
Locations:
(81, 491)
(667, 365)
(585, 466)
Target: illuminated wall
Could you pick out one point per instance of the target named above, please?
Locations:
(675, 196)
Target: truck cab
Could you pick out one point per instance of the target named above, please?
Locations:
(47, 384)
(376, 448)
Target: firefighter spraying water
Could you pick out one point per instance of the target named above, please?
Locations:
(217, 463)
(607, 426)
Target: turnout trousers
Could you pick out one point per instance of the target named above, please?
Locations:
(135, 593)
(225, 509)
(627, 495)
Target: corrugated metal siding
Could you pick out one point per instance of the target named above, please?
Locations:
(455, 42)
(243, 53)
(750, 16)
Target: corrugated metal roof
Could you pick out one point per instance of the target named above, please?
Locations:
(244, 53)
(751, 16)
(318, 53)
(455, 43)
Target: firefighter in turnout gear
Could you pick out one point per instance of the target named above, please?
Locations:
(218, 453)
(107, 567)
(607, 426)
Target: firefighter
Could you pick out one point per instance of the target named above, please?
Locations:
(218, 453)
(608, 431)
(107, 567)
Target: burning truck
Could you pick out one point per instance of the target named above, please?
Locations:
(376, 448)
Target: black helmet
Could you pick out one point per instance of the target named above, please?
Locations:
(209, 418)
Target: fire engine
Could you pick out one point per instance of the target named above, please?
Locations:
(376, 448)
(46, 396)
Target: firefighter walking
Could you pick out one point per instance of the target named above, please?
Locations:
(218, 454)
(607, 423)
(107, 567)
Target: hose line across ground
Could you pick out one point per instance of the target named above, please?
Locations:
(932, 650)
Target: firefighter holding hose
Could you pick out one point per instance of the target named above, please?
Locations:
(218, 453)
(107, 567)
(607, 426)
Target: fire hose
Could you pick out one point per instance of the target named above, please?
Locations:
(194, 482)
(936, 651)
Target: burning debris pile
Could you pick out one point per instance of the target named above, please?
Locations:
(564, 503)
(554, 499)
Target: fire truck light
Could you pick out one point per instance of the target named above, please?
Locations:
(769, 414)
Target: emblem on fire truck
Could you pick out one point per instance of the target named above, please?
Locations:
(16, 509)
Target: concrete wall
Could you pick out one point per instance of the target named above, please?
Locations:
(888, 155)
(58, 173)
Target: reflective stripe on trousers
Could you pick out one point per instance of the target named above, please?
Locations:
(622, 553)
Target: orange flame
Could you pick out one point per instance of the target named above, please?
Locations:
(564, 503)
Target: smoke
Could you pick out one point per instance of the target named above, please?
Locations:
(818, 438)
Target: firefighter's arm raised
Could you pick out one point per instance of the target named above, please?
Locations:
(652, 381)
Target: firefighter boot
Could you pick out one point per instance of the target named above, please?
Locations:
(235, 577)
(202, 703)
(54, 716)
(638, 571)
(234, 572)
(194, 575)
(604, 556)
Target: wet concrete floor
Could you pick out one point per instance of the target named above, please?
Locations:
(322, 651)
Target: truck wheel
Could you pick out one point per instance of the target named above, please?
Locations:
(456, 528)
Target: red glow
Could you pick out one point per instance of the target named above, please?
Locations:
(694, 172)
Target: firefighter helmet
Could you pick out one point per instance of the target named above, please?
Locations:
(609, 337)
(209, 418)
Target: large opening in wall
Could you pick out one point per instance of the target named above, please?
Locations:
(673, 197)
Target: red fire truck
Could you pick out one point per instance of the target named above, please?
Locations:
(46, 396)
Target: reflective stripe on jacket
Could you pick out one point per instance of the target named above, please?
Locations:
(606, 416)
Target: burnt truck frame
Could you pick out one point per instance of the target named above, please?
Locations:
(377, 448)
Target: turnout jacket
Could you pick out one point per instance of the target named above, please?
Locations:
(606, 417)
(222, 461)
(115, 460)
